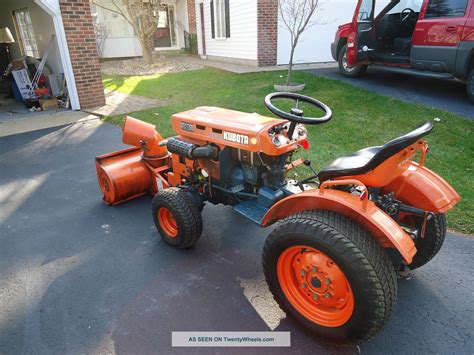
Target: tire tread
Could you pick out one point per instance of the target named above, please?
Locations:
(184, 209)
(355, 245)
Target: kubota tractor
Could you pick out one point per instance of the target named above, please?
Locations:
(344, 231)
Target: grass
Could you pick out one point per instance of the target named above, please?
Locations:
(360, 119)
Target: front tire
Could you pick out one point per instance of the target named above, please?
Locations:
(330, 275)
(353, 72)
(470, 85)
(176, 217)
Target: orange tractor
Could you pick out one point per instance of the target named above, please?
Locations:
(344, 231)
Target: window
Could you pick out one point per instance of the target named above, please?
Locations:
(220, 24)
(365, 11)
(25, 32)
(163, 17)
(415, 5)
(446, 8)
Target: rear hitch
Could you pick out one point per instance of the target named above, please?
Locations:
(404, 272)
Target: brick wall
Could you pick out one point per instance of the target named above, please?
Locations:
(267, 14)
(191, 16)
(79, 28)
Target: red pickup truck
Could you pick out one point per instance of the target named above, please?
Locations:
(431, 38)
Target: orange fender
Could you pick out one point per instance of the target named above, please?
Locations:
(366, 213)
(420, 187)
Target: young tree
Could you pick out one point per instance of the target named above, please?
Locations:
(142, 15)
(100, 36)
(297, 17)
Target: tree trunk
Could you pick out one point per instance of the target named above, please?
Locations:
(147, 52)
(290, 64)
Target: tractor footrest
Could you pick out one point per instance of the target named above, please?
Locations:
(252, 210)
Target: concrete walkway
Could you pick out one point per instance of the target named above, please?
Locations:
(244, 69)
(37, 122)
(118, 103)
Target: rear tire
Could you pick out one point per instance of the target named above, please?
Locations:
(176, 217)
(470, 85)
(330, 242)
(430, 245)
(353, 72)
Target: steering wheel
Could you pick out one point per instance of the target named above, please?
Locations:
(406, 14)
(296, 115)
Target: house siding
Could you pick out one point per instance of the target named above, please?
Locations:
(243, 41)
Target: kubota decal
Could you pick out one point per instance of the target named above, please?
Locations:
(236, 138)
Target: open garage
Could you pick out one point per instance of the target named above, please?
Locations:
(53, 43)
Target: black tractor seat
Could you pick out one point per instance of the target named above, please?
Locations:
(365, 160)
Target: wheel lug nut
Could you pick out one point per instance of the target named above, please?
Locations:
(315, 296)
(327, 295)
(314, 269)
(303, 285)
(303, 272)
(327, 281)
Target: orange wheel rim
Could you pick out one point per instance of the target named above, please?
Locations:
(167, 222)
(315, 286)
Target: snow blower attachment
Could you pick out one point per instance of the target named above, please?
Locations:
(333, 264)
(132, 172)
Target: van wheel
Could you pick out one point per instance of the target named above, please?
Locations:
(470, 85)
(328, 273)
(353, 72)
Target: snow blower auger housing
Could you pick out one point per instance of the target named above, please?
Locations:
(344, 231)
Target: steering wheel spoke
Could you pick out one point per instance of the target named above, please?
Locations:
(407, 14)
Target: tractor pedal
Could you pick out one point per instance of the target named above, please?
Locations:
(252, 210)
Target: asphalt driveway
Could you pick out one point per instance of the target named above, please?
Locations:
(448, 95)
(77, 276)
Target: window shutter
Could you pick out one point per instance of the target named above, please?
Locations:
(213, 27)
(227, 19)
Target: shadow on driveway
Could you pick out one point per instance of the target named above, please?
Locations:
(448, 95)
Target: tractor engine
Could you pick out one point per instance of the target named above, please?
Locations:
(252, 170)
(238, 169)
(241, 154)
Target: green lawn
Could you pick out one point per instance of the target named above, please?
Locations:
(360, 119)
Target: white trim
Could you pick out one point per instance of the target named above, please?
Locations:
(200, 23)
(187, 14)
(175, 48)
(52, 8)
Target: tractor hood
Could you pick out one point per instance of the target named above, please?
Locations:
(241, 130)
